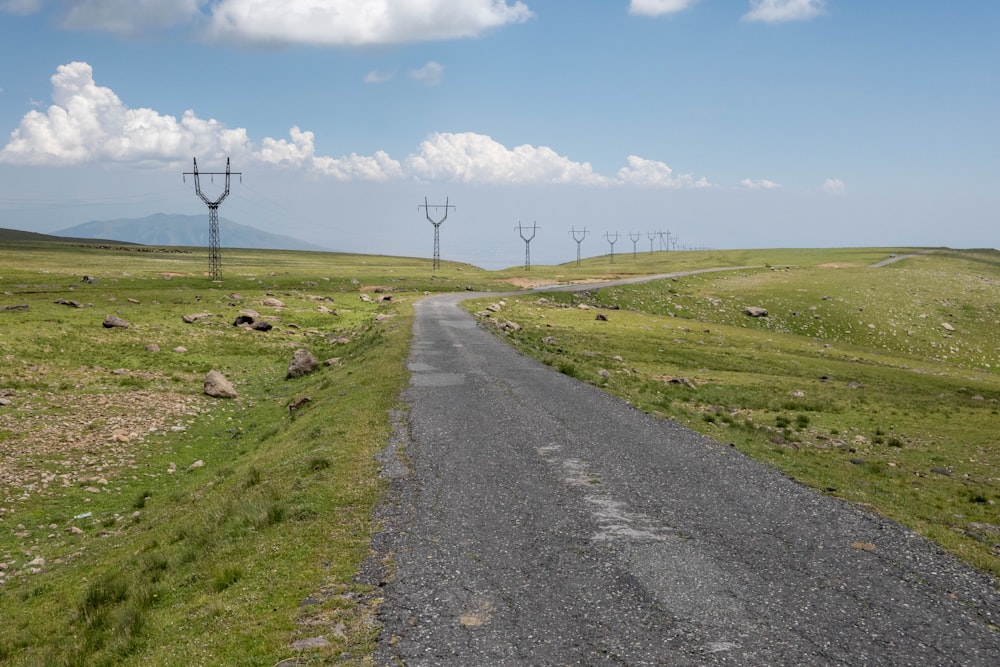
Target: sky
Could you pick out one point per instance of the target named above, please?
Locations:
(681, 124)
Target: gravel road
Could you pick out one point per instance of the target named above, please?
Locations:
(535, 520)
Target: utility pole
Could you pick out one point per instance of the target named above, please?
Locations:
(214, 256)
(583, 235)
(612, 241)
(651, 236)
(437, 225)
(635, 239)
(527, 242)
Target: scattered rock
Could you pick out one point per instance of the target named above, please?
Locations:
(798, 393)
(332, 361)
(755, 311)
(217, 386)
(76, 531)
(22, 306)
(242, 319)
(863, 546)
(947, 327)
(604, 373)
(508, 325)
(303, 362)
(90, 280)
(69, 302)
(941, 471)
(197, 464)
(549, 340)
(152, 347)
(601, 317)
(297, 404)
(189, 319)
(311, 642)
(583, 306)
(261, 326)
(273, 303)
(131, 300)
(180, 348)
(114, 322)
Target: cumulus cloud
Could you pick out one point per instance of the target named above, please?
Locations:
(779, 11)
(834, 186)
(430, 74)
(476, 158)
(761, 184)
(356, 22)
(129, 16)
(87, 122)
(657, 7)
(655, 174)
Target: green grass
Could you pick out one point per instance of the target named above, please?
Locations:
(851, 385)
(158, 562)
(152, 559)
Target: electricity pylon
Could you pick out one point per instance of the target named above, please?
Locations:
(527, 242)
(612, 241)
(635, 239)
(437, 225)
(214, 255)
(583, 234)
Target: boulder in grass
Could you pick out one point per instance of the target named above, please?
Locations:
(217, 386)
(303, 362)
(114, 322)
(755, 311)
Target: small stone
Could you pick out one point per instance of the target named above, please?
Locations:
(152, 347)
(76, 531)
(180, 348)
(273, 303)
(947, 327)
(114, 322)
(755, 311)
(303, 361)
(311, 642)
(601, 317)
(197, 464)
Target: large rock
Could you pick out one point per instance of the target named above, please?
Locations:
(303, 362)
(755, 311)
(114, 322)
(217, 386)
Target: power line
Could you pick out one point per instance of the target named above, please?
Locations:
(214, 255)
(583, 234)
(527, 243)
(437, 225)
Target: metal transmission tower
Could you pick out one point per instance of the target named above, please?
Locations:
(612, 241)
(635, 240)
(651, 236)
(214, 257)
(437, 226)
(583, 235)
(661, 235)
(527, 242)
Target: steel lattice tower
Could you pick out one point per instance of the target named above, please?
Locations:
(214, 254)
(437, 226)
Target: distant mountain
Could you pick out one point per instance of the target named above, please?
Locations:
(183, 230)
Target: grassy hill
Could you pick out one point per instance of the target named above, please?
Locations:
(145, 523)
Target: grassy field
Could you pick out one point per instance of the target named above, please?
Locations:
(145, 523)
(878, 385)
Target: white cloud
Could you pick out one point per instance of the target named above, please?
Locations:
(477, 158)
(761, 184)
(129, 16)
(654, 174)
(21, 6)
(379, 77)
(355, 22)
(834, 186)
(430, 74)
(779, 11)
(87, 122)
(658, 7)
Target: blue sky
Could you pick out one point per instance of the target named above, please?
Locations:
(728, 123)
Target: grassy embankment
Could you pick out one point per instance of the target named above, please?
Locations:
(877, 385)
(117, 547)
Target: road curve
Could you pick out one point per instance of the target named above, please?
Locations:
(535, 520)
